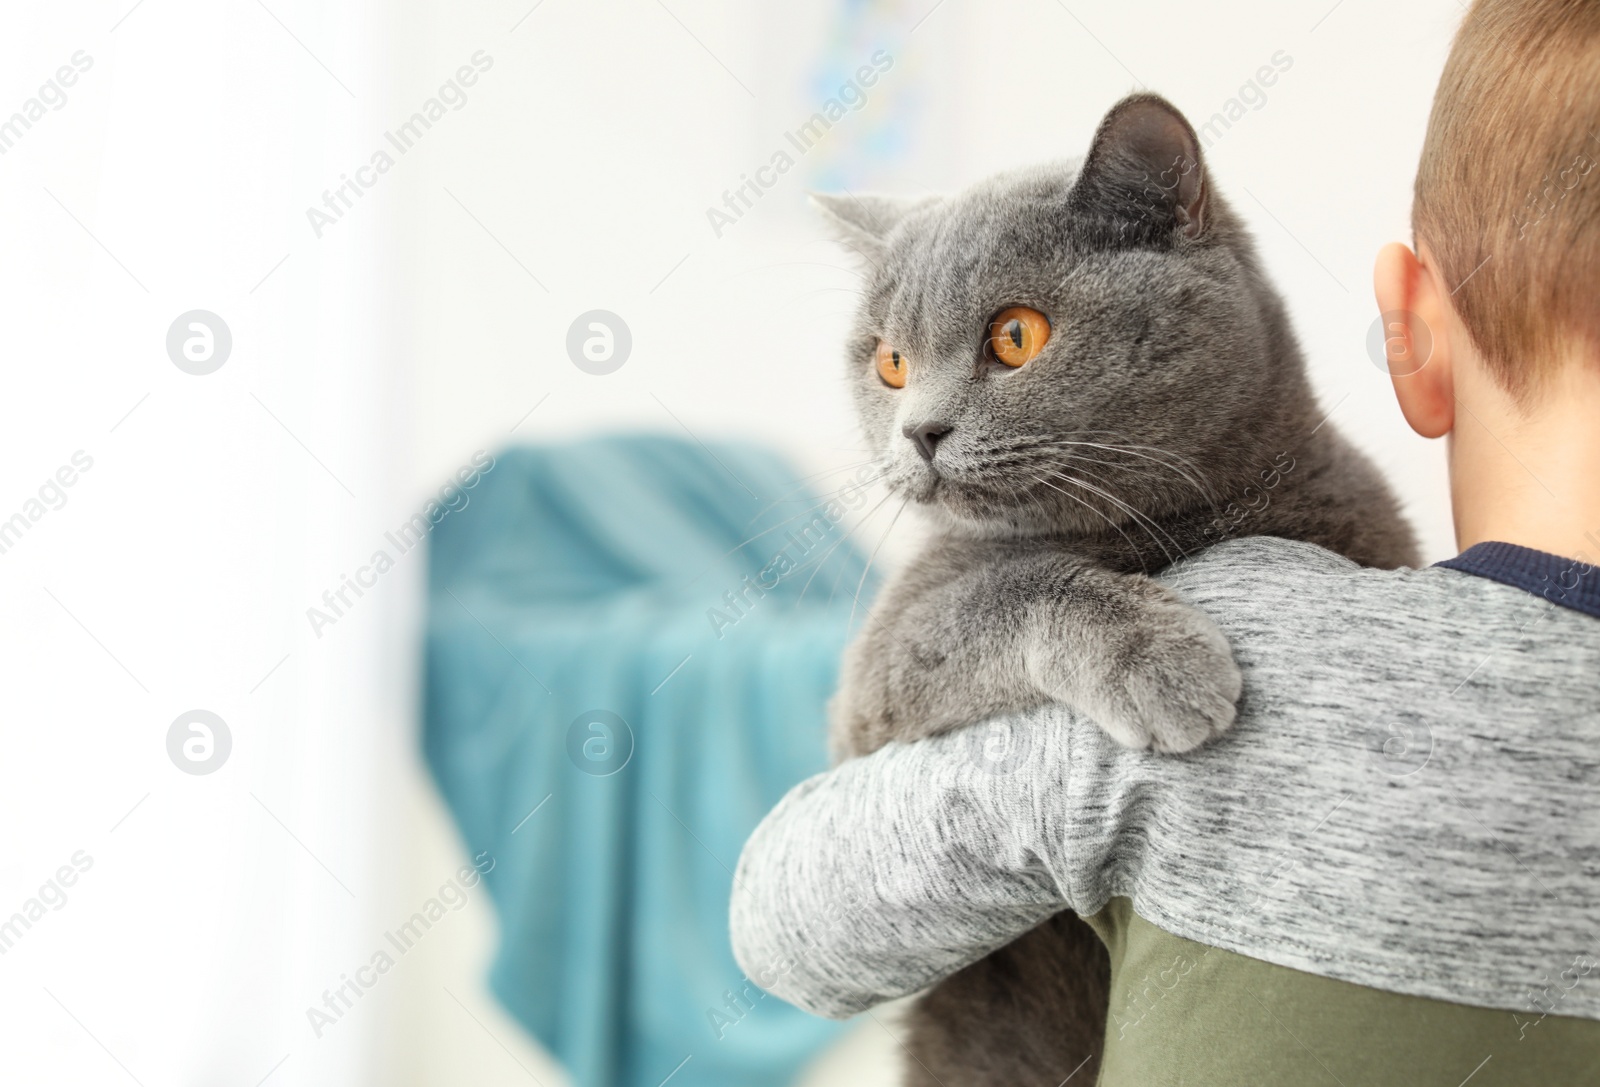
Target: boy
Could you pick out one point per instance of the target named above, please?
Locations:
(1389, 871)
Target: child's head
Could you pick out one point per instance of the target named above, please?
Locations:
(1506, 278)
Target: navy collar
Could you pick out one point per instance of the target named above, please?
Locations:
(1568, 582)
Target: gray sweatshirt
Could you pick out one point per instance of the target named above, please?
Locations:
(1409, 801)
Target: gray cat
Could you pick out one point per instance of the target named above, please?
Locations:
(1082, 373)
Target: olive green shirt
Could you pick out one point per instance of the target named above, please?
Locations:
(1186, 1013)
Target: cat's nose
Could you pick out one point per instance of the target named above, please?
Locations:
(925, 436)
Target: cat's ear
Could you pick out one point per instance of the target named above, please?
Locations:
(1145, 166)
(864, 221)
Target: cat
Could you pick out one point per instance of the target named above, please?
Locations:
(1081, 373)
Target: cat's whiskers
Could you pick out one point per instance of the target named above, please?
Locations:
(800, 485)
(1149, 526)
(1137, 551)
(1024, 453)
(1075, 464)
(834, 589)
(1197, 478)
(1047, 516)
(790, 520)
(1079, 458)
(1026, 446)
(855, 598)
(1167, 457)
(1178, 465)
(843, 536)
(1164, 497)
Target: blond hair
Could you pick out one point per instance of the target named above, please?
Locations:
(1507, 196)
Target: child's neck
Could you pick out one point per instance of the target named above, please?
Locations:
(1529, 476)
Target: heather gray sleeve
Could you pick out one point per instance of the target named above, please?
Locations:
(1410, 799)
(894, 870)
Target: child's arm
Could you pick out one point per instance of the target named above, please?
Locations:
(895, 870)
(1401, 805)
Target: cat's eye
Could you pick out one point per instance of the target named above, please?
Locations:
(891, 366)
(1018, 334)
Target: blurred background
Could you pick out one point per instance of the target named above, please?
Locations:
(514, 295)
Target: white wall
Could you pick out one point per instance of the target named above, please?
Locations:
(176, 574)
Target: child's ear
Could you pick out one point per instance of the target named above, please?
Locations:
(1415, 311)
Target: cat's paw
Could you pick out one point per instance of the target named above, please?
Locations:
(1172, 686)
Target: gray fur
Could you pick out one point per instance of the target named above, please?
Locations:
(1172, 367)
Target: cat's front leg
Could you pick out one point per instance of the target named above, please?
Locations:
(958, 638)
(1151, 670)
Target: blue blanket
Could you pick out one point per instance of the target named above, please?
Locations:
(616, 692)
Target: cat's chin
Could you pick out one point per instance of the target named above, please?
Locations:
(975, 511)
(923, 487)
(972, 508)
(927, 490)
(988, 525)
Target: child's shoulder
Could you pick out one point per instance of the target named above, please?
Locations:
(1287, 575)
(1300, 618)
(1487, 583)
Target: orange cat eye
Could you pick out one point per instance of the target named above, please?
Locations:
(1018, 334)
(891, 366)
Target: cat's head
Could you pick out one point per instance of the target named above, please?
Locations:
(1054, 347)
